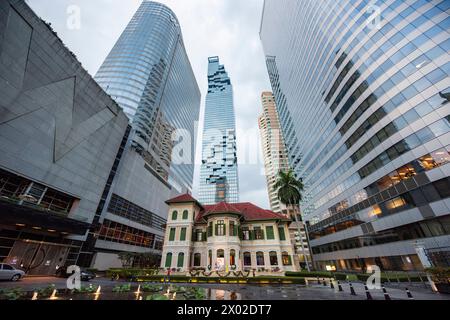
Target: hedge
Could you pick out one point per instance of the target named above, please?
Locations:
(337, 276)
(252, 280)
(126, 273)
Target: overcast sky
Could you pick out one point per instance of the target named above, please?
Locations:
(227, 28)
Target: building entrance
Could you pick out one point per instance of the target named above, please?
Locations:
(37, 258)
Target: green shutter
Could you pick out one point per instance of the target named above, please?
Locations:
(252, 234)
(180, 260)
(174, 215)
(262, 234)
(236, 230)
(185, 215)
(281, 233)
(205, 238)
(210, 230)
(169, 260)
(269, 232)
(183, 234)
(172, 234)
(241, 234)
(216, 228)
(224, 229)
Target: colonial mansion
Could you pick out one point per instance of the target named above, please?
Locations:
(225, 237)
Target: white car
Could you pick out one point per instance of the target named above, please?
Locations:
(8, 272)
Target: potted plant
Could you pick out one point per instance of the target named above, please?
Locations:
(441, 278)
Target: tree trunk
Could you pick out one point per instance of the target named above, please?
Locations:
(301, 237)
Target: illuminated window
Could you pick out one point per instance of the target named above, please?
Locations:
(273, 258)
(232, 257)
(286, 259)
(376, 211)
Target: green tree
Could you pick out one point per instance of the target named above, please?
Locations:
(289, 190)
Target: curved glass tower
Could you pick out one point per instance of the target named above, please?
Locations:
(362, 92)
(149, 74)
(219, 169)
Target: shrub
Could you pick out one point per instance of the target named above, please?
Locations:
(440, 275)
(313, 274)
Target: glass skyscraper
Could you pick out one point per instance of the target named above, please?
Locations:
(219, 169)
(149, 74)
(362, 92)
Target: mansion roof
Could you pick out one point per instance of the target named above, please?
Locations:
(248, 211)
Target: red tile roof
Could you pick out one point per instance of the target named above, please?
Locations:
(249, 211)
(184, 198)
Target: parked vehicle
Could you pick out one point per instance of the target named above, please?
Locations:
(8, 272)
(85, 275)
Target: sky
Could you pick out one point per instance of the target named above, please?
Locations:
(225, 28)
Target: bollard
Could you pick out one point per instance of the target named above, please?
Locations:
(324, 282)
(368, 295)
(386, 295)
(408, 293)
(318, 280)
(339, 286)
(331, 284)
(352, 291)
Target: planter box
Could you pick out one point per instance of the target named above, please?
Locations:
(443, 287)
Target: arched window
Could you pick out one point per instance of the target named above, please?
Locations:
(286, 259)
(185, 215)
(169, 260)
(247, 259)
(174, 215)
(180, 260)
(220, 253)
(197, 260)
(273, 258)
(232, 257)
(260, 258)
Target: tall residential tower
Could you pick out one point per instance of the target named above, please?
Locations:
(274, 150)
(364, 111)
(219, 170)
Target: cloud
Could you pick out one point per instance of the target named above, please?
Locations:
(227, 28)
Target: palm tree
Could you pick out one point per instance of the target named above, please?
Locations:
(289, 190)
